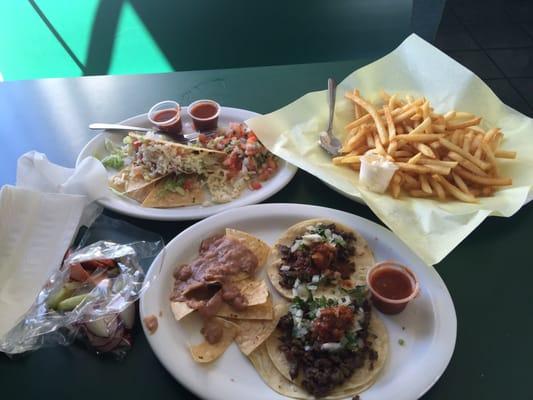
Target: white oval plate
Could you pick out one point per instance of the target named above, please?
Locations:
(130, 207)
(428, 326)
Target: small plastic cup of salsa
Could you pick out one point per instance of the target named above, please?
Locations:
(392, 286)
(204, 115)
(166, 116)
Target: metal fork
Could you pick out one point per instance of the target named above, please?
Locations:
(326, 140)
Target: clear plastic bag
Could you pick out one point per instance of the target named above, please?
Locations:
(92, 296)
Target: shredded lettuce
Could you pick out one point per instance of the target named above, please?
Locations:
(115, 158)
(115, 161)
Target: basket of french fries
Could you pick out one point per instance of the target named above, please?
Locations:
(451, 151)
(444, 156)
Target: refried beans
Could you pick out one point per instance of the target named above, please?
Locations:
(205, 283)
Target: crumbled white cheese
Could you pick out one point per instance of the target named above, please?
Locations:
(315, 278)
(296, 245)
(285, 268)
(312, 238)
(333, 346)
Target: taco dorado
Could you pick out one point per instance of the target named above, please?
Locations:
(154, 165)
(324, 348)
(319, 256)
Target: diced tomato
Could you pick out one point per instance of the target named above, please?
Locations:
(252, 138)
(264, 175)
(78, 273)
(202, 138)
(108, 263)
(255, 185)
(237, 128)
(136, 144)
(188, 184)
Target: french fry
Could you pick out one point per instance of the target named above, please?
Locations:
(438, 155)
(390, 123)
(424, 184)
(436, 186)
(454, 190)
(410, 182)
(449, 115)
(505, 154)
(425, 150)
(460, 183)
(482, 180)
(414, 159)
(355, 140)
(392, 102)
(395, 185)
(450, 146)
(447, 164)
(358, 111)
(379, 146)
(468, 141)
(348, 159)
(402, 153)
(465, 124)
(467, 164)
(419, 193)
(421, 137)
(371, 110)
(490, 157)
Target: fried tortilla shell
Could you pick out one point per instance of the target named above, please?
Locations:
(159, 197)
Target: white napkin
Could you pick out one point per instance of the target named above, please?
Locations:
(39, 218)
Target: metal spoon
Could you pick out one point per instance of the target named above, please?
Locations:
(326, 139)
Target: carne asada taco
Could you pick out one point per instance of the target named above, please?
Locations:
(324, 347)
(318, 257)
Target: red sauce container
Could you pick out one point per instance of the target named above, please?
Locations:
(204, 114)
(166, 116)
(392, 286)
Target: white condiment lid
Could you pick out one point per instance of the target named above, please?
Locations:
(376, 171)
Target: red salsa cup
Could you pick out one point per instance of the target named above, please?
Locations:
(204, 115)
(166, 116)
(392, 286)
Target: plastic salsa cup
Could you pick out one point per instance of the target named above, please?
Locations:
(204, 115)
(392, 286)
(166, 116)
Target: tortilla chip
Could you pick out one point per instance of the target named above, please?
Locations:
(253, 333)
(256, 245)
(206, 352)
(158, 197)
(363, 259)
(259, 311)
(180, 309)
(255, 291)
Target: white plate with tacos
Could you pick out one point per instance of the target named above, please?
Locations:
(154, 177)
(267, 324)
